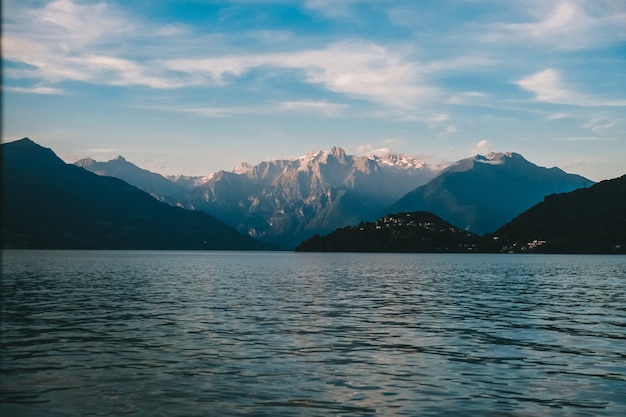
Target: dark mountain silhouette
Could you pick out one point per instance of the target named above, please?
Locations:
(590, 220)
(483, 193)
(47, 203)
(403, 232)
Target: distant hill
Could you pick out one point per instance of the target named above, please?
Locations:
(156, 185)
(483, 193)
(403, 232)
(47, 203)
(590, 220)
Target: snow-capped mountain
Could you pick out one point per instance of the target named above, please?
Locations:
(483, 193)
(285, 201)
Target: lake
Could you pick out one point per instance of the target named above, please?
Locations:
(102, 333)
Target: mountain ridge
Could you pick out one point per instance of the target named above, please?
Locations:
(482, 193)
(47, 203)
(285, 201)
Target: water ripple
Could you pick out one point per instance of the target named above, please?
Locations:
(220, 333)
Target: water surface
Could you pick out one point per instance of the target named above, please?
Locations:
(252, 333)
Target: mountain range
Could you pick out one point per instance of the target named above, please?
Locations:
(286, 201)
(589, 220)
(289, 200)
(47, 203)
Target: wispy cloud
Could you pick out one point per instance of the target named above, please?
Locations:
(570, 24)
(36, 90)
(548, 87)
(358, 69)
(600, 124)
(77, 42)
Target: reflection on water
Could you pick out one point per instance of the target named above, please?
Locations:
(266, 334)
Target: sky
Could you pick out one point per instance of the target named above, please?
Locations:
(195, 86)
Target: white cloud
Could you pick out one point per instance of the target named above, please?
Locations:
(482, 148)
(570, 24)
(79, 24)
(548, 87)
(94, 43)
(600, 124)
(358, 69)
(36, 90)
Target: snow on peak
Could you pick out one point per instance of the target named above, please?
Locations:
(243, 168)
(384, 157)
(494, 158)
(307, 159)
(206, 179)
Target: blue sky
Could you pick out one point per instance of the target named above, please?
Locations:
(195, 86)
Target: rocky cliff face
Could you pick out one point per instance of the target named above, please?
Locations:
(286, 201)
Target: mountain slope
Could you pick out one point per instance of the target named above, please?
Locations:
(286, 201)
(154, 184)
(590, 220)
(485, 192)
(47, 203)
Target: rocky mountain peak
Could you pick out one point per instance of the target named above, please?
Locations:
(85, 162)
(338, 153)
(243, 168)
